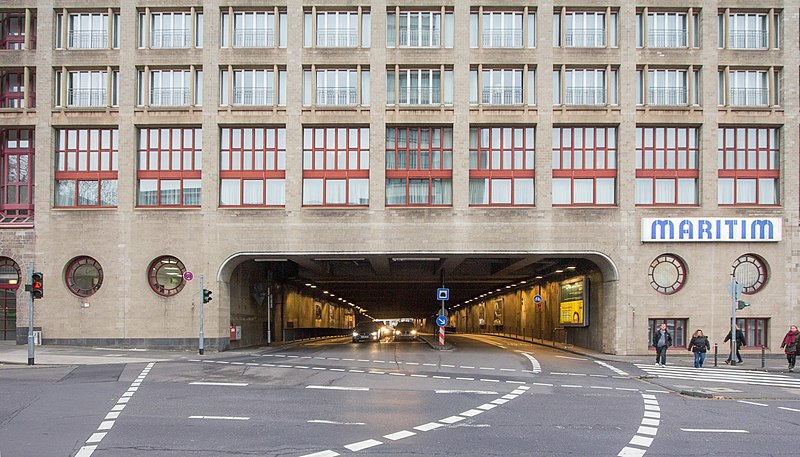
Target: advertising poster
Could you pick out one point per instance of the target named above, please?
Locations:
(573, 306)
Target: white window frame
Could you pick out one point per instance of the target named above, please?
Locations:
(238, 87)
(92, 31)
(92, 91)
(253, 29)
(170, 87)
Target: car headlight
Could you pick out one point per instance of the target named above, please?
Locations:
(374, 333)
(355, 333)
(397, 332)
(413, 332)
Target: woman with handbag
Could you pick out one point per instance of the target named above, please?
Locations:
(790, 342)
(699, 345)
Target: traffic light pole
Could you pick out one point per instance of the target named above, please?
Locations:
(202, 299)
(30, 318)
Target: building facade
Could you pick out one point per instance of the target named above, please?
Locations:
(657, 140)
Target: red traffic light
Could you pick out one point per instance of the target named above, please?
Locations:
(37, 285)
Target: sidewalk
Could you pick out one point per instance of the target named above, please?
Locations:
(13, 354)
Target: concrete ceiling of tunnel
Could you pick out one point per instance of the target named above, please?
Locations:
(404, 285)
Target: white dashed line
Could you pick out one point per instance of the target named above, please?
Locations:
(788, 409)
(646, 431)
(322, 454)
(399, 435)
(428, 427)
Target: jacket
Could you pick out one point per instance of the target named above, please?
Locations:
(790, 343)
(657, 336)
(739, 338)
(699, 344)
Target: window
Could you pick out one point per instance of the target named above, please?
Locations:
(585, 29)
(749, 88)
(170, 87)
(667, 87)
(87, 88)
(667, 170)
(16, 175)
(675, 327)
(335, 166)
(165, 276)
(667, 274)
(170, 29)
(170, 164)
(252, 166)
(667, 29)
(10, 280)
(12, 30)
(337, 87)
(584, 166)
(253, 29)
(418, 87)
(502, 29)
(502, 86)
(12, 88)
(749, 30)
(748, 165)
(418, 29)
(98, 30)
(750, 272)
(86, 167)
(755, 331)
(253, 87)
(419, 166)
(337, 29)
(84, 276)
(501, 164)
(585, 86)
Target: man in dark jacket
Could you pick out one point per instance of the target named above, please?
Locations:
(739, 343)
(662, 340)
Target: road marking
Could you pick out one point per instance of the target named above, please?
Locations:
(788, 409)
(319, 454)
(711, 430)
(649, 428)
(574, 386)
(487, 406)
(96, 437)
(338, 388)
(228, 384)
(571, 358)
(229, 418)
(428, 364)
(537, 368)
(612, 368)
(490, 380)
(441, 377)
(399, 435)
(464, 366)
(452, 419)
(542, 384)
(465, 379)
(419, 376)
(428, 427)
(479, 392)
(485, 368)
(85, 451)
(471, 413)
(322, 421)
(600, 387)
(448, 366)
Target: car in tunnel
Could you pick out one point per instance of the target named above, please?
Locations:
(367, 331)
(405, 331)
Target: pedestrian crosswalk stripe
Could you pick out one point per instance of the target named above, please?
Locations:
(731, 376)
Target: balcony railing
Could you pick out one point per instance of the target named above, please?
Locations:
(502, 38)
(749, 97)
(86, 97)
(336, 96)
(253, 96)
(585, 38)
(337, 37)
(415, 96)
(169, 97)
(170, 38)
(254, 38)
(501, 96)
(667, 38)
(747, 39)
(418, 38)
(667, 96)
(89, 39)
(585, 96)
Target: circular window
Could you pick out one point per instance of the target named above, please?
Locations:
(750, 272)
(165, 276)
(84, 276)
(9, 273)
(667, 274)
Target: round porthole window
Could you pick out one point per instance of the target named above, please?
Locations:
(84, 276)
(750, 272)
(667, 274)
(165, 276)
(9, 274)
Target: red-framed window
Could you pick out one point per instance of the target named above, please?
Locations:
(10, 277)
(749, 165)
(165, 276)
(12, 88)
(170, 164)
(84, 276)
(755, 331)
(419, 166)
(667, 170)
(501, 166)
(584, 166)
(86, 173)
(335, 166)
(678, 328)
(12, 30)
(16, 175)
(252, 166)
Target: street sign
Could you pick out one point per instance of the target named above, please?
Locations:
(188, 276)
(537, 299)
(441, 321)
(442, 293)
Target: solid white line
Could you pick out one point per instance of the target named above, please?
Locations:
(338, 388)
(321, 421)
(355, 447)
(710, 430)
(752, 403)
(230, 384)
(96, 438)
(788, 409)
(399, 435)
(230, 418)
(320, 454)
(85, 451)
(479, 392)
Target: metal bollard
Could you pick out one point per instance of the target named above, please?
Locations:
(763, 357)
(715, 354)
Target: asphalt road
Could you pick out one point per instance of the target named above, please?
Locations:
(487, 397)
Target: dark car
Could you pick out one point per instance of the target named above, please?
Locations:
(367, 331)
(405, 331)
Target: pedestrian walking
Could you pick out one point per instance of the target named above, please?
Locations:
(662, 340)
(739, 343)
(699, 345)
(789, 344)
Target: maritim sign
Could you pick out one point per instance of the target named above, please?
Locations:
(714, 229)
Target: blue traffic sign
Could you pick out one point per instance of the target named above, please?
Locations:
(441, 321)
(537, 298)
(442, 293)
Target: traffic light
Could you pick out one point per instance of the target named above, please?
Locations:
(206, 296)
(37, 285)
(741, 304)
